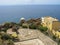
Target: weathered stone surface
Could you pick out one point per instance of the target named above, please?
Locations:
(30, 37)
(30, 42)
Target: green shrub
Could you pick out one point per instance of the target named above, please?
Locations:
(59, 42)
(41, 28)
(1, 43)
(6, 25)
(24, 26)
(10, 42)
(4, 29)
(6, 42)
(32, 26)
(54, 37)
(5, 37)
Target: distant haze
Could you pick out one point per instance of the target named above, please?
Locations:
(27, 2)
(14, 13)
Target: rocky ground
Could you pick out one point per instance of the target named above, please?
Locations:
(30, 42)
(33, 37)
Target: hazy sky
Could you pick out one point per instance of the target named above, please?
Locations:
(18, 2)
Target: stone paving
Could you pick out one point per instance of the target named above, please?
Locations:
(46, 40)
(30, 37)
(26, 34)
(30, 42)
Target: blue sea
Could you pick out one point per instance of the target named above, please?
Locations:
(15, 12)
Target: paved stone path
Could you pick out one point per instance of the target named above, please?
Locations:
(26, 34)
(46, 40)
(30, 42)
(29, 34)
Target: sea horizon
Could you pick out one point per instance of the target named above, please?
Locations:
(14, 13)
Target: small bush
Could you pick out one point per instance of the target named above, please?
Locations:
(10, 42)
(1, 43)
(24, 26)
(59, 42)
(5, 37)
(54, 37)
(32, 26)
(4, 29)
(41, 28)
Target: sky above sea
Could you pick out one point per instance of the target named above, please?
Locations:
(28, 2)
